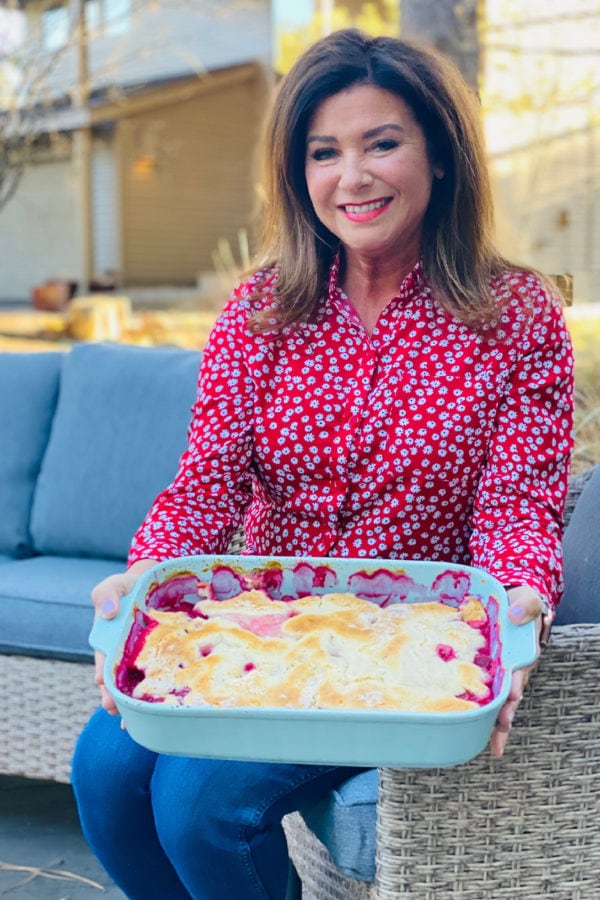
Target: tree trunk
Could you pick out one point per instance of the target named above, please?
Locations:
(451, 26)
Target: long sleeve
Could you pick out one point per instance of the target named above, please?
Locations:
(517, 515)
(201, 509)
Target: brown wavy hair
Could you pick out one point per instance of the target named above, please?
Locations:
(458, 252)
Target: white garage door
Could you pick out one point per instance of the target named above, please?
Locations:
(40, 233)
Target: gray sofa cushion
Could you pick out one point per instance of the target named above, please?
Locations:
(28, 392)
(344, 820)
(581, 545)
(45, 606)
(119, 430)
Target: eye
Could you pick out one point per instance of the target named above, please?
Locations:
(322, 154)
(384, 145)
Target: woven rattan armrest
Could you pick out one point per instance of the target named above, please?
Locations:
(512, 829)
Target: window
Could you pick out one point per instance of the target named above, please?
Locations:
(12, 31)
(108, 17)
(93, 18)
(55, 27)
(117, 16)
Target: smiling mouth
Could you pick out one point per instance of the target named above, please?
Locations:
(361, 213)
(357, 208)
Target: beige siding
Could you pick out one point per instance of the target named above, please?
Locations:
(188, 172)
(548, 208)
(541, 100)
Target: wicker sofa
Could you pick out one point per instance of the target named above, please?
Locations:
(526, 826)
(91, 435)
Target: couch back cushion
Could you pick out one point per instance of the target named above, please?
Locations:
(581, 547)
(28, 392)
(119, 430)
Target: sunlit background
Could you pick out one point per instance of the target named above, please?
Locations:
(130, 129)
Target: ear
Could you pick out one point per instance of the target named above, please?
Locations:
(438, 172)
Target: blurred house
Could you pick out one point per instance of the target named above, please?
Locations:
(145, 156)
(541, 104)
(145, 159)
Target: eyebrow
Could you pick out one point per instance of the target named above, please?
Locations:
(372, 132)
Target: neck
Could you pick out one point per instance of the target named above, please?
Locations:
(371, 284)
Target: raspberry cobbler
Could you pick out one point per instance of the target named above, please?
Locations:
(335, 651)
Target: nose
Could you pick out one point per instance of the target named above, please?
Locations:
(354, 173)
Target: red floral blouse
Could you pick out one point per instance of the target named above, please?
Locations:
(426, 440)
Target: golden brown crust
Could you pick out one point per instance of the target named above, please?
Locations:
(334, 651)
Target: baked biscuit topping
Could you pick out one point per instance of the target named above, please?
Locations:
(334, 651)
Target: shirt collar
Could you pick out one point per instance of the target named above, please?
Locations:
(412, 283)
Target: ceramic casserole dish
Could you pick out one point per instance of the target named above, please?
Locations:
(361, 737)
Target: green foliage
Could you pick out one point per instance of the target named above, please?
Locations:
(369, 16)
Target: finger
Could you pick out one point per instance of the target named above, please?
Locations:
(525, 605)
(105, 698)
(503, 727)
(517, 684)
(107, 702)
(106, 597)
(515, 695)
(507, 714)
(109, 607)
(106, 601)
(498, 743)
(99, 669)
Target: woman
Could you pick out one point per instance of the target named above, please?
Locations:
(385, 385)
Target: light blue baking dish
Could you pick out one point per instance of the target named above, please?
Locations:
(317, 736)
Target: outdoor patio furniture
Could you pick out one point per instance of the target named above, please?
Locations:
(525, 826)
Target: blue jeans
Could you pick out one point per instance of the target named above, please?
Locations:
(175, 828)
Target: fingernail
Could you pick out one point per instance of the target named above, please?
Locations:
(108, 607)
(517, 610)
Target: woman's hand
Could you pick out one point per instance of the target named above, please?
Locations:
(525, 606)
(106, 598)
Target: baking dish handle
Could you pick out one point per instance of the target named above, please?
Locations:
(520, 644)
(105, 631)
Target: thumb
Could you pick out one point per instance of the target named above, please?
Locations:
(107, 595)
(525, 604)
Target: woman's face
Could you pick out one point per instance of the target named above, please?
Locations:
(368, 174)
